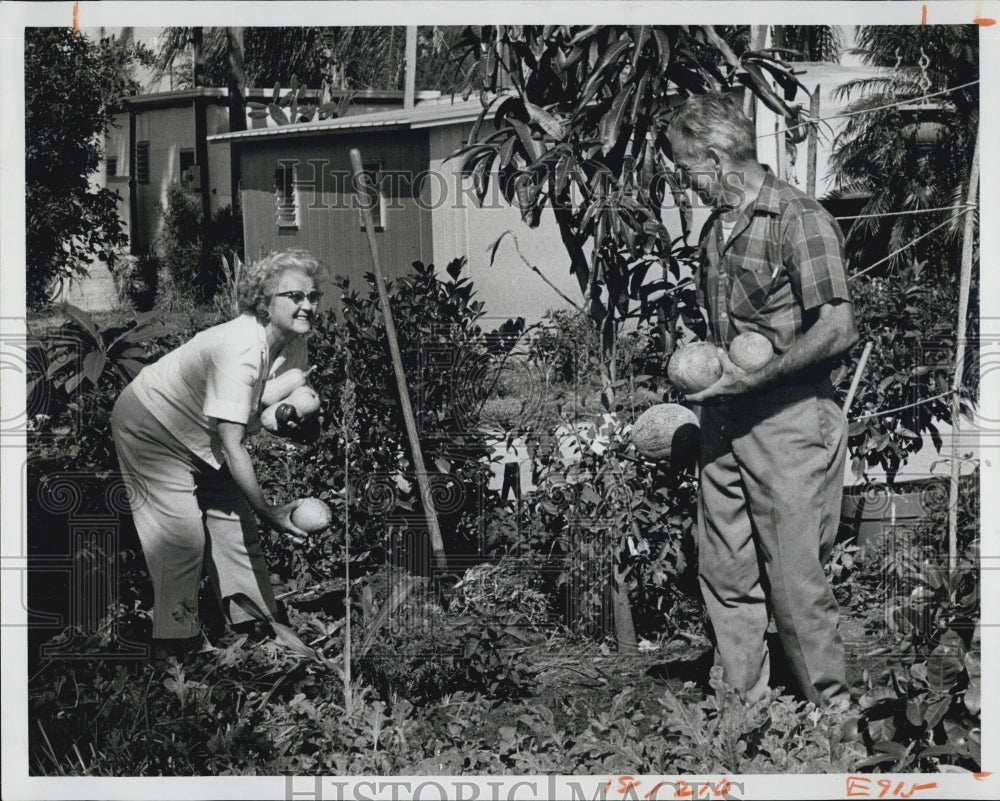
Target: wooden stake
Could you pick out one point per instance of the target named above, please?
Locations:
(813, 146)
(965, 282)
(858, 372)
(437, 543)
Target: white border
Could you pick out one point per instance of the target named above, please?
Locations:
(15, 15)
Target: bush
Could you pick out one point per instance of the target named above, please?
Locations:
(182, 245)
(136, 279)
(193, 250)
(444, 354)
(72, 86)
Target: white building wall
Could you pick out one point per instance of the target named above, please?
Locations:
(508, 287)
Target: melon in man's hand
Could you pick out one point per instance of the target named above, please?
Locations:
(311, 515)
(751, 351)
(666, 431)
(694, 367)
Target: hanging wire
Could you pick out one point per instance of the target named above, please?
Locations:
(894, 104)
(947, 394)
(907, 245)
(904, 213)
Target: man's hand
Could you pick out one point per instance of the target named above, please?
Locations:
(833, 333)
(734, 380)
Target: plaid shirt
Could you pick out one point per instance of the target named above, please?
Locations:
(784, 257)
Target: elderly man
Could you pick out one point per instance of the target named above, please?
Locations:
(773, 441)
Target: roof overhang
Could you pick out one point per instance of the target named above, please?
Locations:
(424, 115)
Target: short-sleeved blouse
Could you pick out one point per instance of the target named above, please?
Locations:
(218, 374)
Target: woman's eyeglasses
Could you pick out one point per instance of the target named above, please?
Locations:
(296, 296)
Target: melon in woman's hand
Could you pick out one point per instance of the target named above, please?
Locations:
(666, 431)
(694, 367)
(312, 515)
(281, 386)
(751, 351)
(305, 400)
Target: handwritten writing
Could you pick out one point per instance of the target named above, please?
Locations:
(862, 787)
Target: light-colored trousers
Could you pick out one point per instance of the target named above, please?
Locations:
(772, 469)
(185, 511)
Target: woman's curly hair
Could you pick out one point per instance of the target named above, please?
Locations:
(260, 281)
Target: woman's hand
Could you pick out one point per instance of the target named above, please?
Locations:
(280, 517)
(240, 467)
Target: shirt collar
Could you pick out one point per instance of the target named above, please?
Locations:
(768, 199)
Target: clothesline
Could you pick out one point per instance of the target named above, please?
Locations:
(907, 245)
(902, 213)
(897, 103)
(947, 394)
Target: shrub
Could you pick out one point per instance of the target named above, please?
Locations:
(136, 279)
(445, 355)
(923, 711)
(181, 245)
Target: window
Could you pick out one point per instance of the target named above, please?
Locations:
(142, 162)
(190, 174)
(371, 195)
(112, 167)
(285, 196)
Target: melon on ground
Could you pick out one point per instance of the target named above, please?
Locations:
(311, 515)
(751, 351)
(694, 367)
(666, 431)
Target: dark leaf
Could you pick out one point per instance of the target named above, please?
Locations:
(611, 122)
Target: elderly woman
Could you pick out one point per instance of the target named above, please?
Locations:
(178, 430)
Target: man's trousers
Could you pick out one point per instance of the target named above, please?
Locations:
(772, 468)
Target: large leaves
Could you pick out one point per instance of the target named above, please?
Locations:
(85, 352)
(579, 122)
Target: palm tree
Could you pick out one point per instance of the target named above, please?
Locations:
(905, 251)
(877, 154)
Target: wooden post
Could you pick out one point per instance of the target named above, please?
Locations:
(409, 90)
(437, 543)
(133, 197)
(236, 83)
(813, 147)
(965, 281)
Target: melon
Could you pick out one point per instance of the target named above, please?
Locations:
(281, 386)
(666, 431)
(312, 515)
(751, 351)
(305, 400)
(694, 367)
